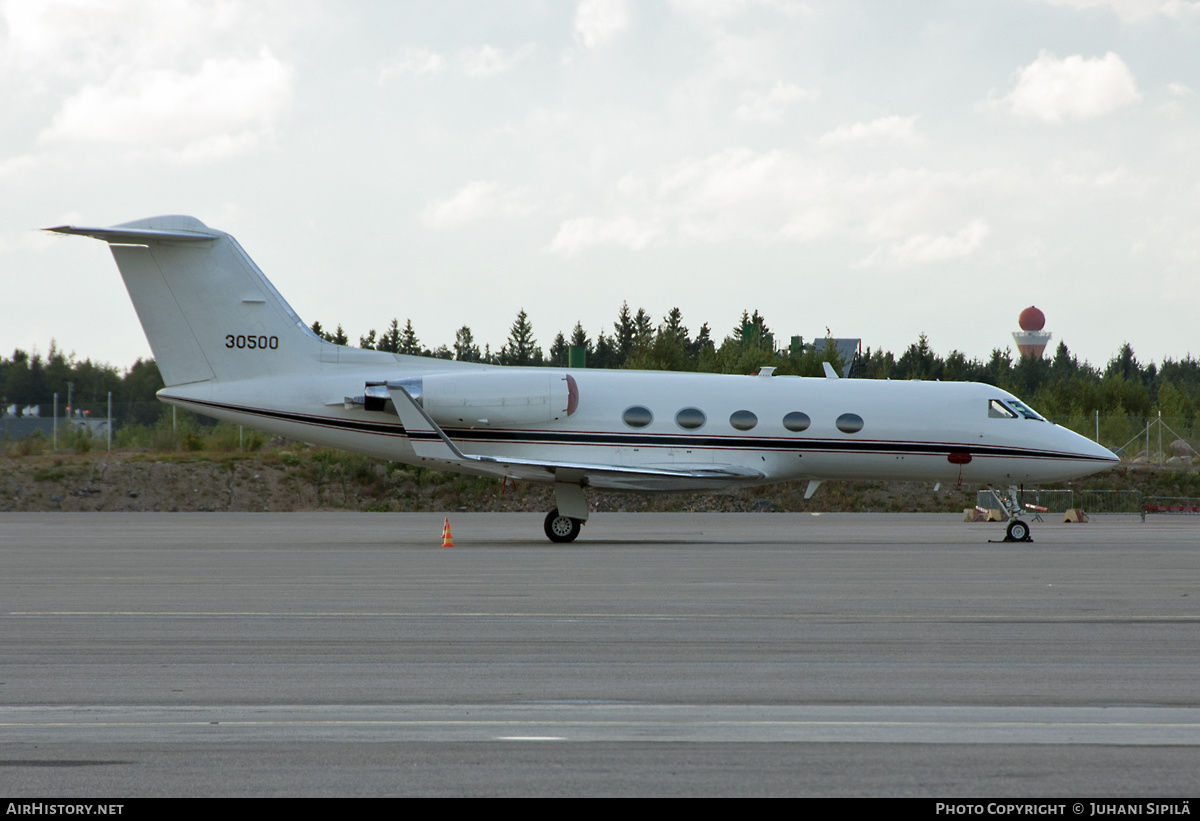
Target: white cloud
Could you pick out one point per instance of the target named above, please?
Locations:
(1114, 176)
(717, 10)
(1073, 88)
(576, 235)
(86, 40)
(229, 106)
(1135, 11)
(414, 61)
(483, 61)
(749, 41)
(183, 79)
(734, 194)
(1175, 106)
(20, 164)
(477, 200)
(599, 22)
(487, 61)
(884, 129)
(769, 106)
(926, 248)
(741, 195)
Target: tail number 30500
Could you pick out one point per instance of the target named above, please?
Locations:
(252, 342)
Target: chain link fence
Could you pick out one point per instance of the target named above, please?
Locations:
(1140, 439)
(85, 427)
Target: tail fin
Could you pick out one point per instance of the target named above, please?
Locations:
(208, 312)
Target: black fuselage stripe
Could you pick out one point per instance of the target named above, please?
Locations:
(591, 438)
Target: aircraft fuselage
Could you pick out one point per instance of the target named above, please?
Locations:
(928, 431)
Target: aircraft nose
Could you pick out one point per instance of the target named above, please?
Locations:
(1094, 450)
(1107, 454)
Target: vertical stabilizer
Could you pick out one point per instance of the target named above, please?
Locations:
(207, 311)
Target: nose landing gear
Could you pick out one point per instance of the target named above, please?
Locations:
(1018, 531)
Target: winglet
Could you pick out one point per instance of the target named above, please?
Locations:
(830, 373)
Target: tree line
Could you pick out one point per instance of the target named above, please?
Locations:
(1059, 386)
(31, 379)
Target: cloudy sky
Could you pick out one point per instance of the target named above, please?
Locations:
(879, 169)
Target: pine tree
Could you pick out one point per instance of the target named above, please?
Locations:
(626, 333)
(558, 351)
(701, 344)
(408, 342)
(390, 341)
(673, 328)
(643, 328)
(606, 353)
(521, 348)
(579, 339)
(465, 349)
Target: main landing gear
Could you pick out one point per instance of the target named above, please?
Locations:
(562, 528)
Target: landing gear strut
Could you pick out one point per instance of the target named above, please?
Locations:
(1018, 531)
(562, 528)
(568, 498)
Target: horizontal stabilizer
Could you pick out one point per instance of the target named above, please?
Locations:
(134, 236)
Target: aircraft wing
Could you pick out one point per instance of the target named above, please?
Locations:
(431, 442)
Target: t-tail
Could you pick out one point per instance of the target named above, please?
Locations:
(207, 310)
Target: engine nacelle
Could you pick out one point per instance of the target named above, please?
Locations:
(495, 398)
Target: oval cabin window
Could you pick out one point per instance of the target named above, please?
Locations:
(849, 423)
(796, 421)
(637, 416)
(743, 420)
(690, 418)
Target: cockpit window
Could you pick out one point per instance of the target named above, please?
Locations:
(1012, 409)
(999, 410)
(1025, 410)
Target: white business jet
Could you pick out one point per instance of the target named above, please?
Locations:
(229, 346)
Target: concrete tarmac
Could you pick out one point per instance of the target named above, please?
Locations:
(661, 654)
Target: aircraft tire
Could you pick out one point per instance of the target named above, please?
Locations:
(1018, 531)
(561, 528)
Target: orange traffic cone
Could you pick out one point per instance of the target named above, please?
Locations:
(446, 540)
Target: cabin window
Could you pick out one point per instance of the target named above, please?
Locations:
(999, 410)
(849, 423)
(637, 416)
(796, 421)
(690, 418)
(743, 420)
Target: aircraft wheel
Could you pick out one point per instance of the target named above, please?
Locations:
(1018, 531)
(561, 528)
